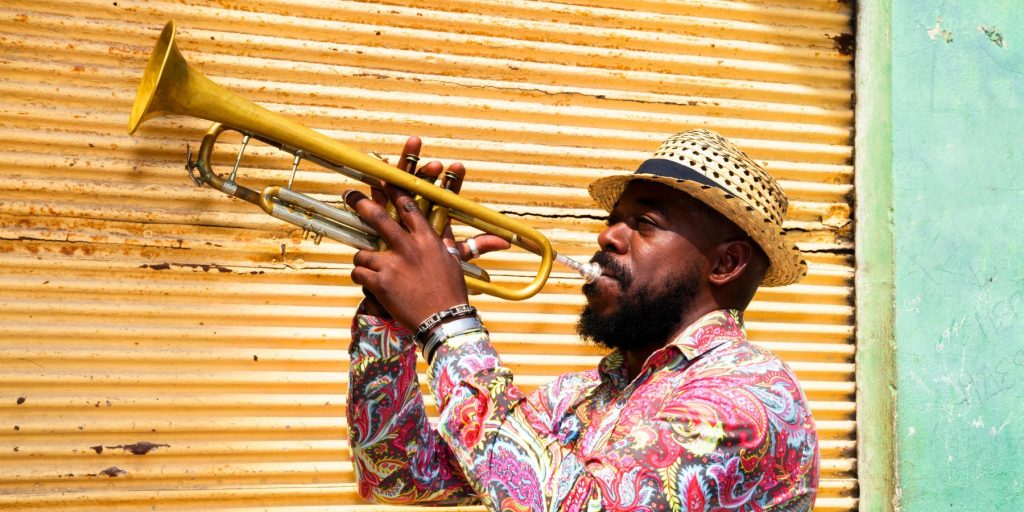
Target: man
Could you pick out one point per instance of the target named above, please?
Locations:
(683, 414)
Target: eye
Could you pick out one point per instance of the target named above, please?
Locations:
(645, 221)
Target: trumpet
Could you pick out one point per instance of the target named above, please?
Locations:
(169, 86)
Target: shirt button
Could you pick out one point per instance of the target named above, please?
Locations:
(620, 403)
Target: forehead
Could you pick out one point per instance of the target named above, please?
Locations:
(649, 195)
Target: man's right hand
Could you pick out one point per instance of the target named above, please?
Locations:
(466, 250)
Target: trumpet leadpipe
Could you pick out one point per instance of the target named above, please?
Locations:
(588, 271)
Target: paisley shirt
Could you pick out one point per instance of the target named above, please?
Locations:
(712, 422)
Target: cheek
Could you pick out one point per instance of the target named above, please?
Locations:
(652, 269)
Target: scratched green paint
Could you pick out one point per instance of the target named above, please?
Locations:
(874, 282)
(958, 211)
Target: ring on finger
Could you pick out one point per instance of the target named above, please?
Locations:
(453, 251)
(471, 242)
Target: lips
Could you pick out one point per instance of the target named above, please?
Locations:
(604, 292)
(610, 274)
(613, 280)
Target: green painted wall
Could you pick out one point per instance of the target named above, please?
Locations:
(958, 219)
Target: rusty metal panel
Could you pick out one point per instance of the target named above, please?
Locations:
(163, 345)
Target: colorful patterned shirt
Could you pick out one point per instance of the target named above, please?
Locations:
(712, 422)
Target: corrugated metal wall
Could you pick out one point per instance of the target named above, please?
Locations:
(163, 345)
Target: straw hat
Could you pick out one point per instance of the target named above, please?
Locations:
(713, 170)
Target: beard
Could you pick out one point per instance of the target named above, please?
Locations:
(645, 317)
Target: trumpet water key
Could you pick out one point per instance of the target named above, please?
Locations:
(170, 86)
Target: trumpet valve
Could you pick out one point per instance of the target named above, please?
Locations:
(310, 230)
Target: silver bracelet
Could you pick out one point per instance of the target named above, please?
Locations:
(449, 329)
(457, 311)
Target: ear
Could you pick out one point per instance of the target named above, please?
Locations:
(730, 261)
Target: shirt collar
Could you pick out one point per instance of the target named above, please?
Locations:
(709, 331)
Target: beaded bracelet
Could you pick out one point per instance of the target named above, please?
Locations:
(457, 311)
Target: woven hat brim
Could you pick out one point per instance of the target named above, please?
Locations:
(785, 261)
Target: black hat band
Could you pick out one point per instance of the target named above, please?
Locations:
(672, 169)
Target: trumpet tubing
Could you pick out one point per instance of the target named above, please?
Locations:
(169, 86)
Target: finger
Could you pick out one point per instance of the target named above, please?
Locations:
(375, 215)
(482, 244)
(407, 162)
(368, 279)
(430, 172)
(449, 238)
(453, 177)
(408, 210)
(367, 259)
(490, 243)
(410, 154)
(452, 182)
(378, 195)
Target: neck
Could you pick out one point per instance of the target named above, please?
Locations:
(635, 361)
(636, 357)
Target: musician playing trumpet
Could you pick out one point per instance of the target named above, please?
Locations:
(682, 414)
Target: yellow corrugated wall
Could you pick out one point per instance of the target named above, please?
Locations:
(164, 346)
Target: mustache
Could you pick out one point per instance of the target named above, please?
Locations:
(613, 268)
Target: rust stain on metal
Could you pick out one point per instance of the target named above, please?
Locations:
(98, 449)
(113, 471)
(140, 448)
(844, 43)
(21, 400)
(69, 250)
(204, 267)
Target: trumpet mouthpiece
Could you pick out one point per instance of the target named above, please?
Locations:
(590, 271)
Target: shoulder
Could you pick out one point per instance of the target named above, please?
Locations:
(741, 365)
(742, 378)
(753, 403)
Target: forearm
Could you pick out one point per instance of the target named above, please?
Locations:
(398, 457)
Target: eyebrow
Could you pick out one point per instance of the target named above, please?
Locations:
(658, 206)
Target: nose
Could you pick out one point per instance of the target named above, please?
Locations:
(614, 238)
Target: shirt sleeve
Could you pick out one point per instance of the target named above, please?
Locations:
(397, 455)
(692, 451)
